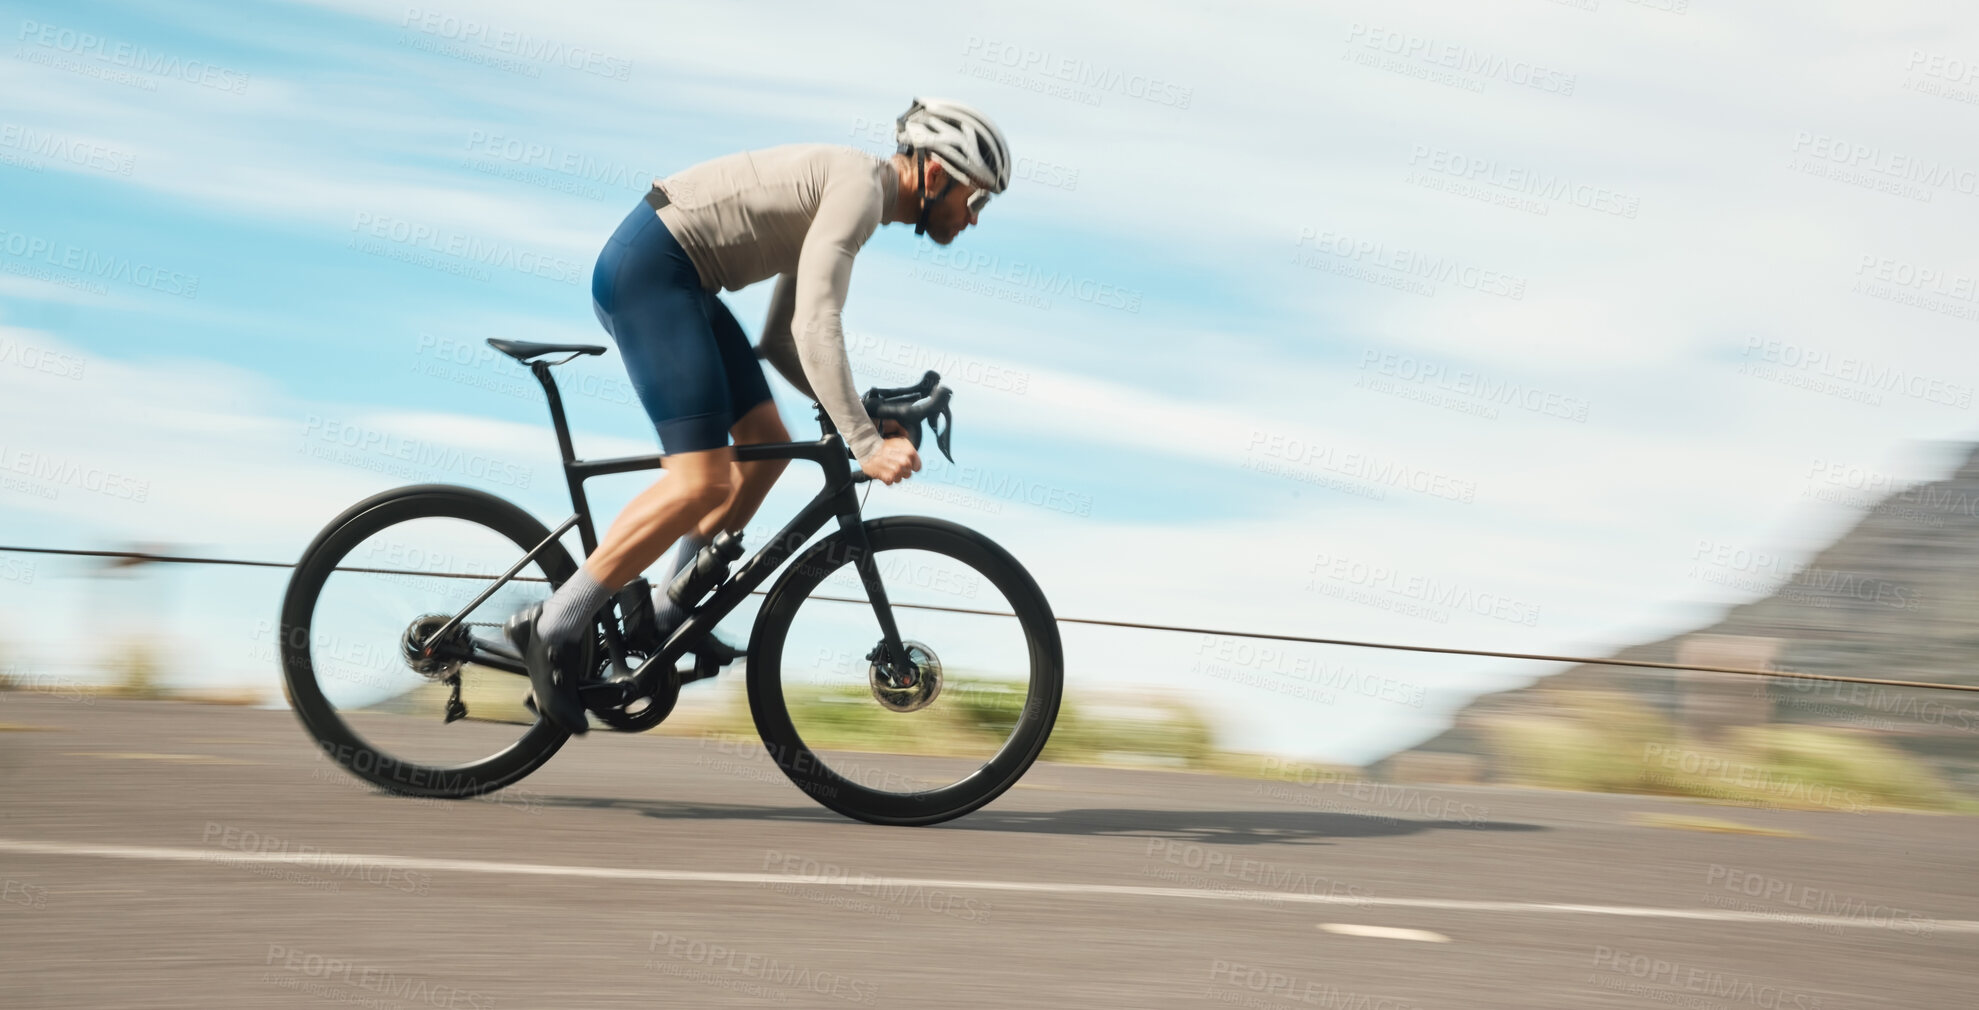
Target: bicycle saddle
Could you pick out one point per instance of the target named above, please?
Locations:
(523, 350)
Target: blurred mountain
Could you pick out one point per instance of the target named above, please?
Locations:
(1896, 597)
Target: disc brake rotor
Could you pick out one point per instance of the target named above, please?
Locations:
(917, 695)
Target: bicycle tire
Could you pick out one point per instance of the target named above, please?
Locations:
(340, 743)
(814, 776)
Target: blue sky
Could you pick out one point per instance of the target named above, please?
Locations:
(1538, 304)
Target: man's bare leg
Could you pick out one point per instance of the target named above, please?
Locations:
(750, 482)
(696, 484)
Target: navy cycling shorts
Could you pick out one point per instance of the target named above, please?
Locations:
(688, 359)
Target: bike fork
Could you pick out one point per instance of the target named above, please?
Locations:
(890, 654)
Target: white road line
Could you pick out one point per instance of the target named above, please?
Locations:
(1383, 932)
(338, 860)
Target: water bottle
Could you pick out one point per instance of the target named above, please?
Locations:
(710, 567)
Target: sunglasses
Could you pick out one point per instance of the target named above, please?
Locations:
(977, 200)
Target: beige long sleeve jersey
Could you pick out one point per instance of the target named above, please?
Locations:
(799, 212)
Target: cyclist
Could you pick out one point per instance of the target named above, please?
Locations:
(800, 213)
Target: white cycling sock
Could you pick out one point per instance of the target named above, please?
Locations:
(572, 607)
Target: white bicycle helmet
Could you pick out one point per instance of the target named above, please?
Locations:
(966, 142)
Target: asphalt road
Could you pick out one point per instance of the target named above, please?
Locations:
(167, 855)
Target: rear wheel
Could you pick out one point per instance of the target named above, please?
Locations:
(401, 563)
(980, 705)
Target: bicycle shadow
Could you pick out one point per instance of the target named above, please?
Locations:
(1218, 827)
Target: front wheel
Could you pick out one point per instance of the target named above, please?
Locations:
(986, 688)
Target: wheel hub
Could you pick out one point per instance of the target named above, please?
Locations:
(919, 692)
(436, 660)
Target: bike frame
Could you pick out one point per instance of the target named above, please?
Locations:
(836, 500)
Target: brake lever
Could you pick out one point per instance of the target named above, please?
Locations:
(877, 398)
(942, 430)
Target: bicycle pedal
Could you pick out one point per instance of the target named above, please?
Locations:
(711, 655)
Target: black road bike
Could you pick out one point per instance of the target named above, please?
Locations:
(886, 675)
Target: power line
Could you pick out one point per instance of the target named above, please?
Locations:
(141, 556)
(1589, 660)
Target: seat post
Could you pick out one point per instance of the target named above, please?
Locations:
(542, 372)
(586, 534)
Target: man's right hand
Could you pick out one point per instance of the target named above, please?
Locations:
(895, 461)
